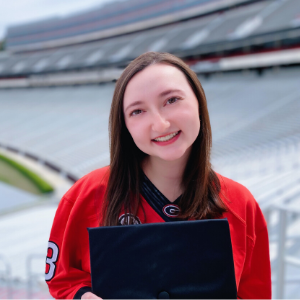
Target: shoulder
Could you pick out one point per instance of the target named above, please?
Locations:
(235, 194)
(92, 185)
(241, 203)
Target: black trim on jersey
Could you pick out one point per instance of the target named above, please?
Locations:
(82, 291)
(157, 200)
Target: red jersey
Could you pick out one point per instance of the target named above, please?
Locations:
(68, 261)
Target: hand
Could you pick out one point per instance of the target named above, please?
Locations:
(89, 295)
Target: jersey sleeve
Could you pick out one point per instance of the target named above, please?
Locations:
(68, 262)
(64, 273)
(250, 242)
(255, 281)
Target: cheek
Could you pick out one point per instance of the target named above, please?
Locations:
(138, 131)
(190, 124)
(189, 119)
(193, 127)
(195, 117)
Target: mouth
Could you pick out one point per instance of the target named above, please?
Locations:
(166, 137)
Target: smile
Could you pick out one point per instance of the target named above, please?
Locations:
(167, 137)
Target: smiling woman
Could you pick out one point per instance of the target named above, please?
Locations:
(160, 171)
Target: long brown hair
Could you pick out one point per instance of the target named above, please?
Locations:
(200, 199)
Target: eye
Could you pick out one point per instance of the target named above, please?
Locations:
(173, 100)
(135, 112)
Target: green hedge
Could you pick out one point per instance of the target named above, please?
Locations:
(41, 184)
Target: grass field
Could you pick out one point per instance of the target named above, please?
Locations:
(19, 176)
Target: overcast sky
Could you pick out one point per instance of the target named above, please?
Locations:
(14, 12)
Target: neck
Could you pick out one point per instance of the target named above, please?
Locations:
(166, 175)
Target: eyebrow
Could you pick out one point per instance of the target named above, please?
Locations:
(134, 104)
(162, 94)
(167, 92)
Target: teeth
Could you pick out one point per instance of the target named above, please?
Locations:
(166, 138)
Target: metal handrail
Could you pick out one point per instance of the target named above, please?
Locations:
(7, 273)
(30, 274)
(282, 258)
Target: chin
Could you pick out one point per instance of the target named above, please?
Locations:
(172, 155)
(169, 158)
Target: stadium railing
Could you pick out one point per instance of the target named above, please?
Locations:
(6, 275)
(33, 276)
(282, 238)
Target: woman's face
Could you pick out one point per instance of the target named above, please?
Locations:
(161, 112)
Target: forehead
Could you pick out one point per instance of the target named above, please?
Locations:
(154, 79)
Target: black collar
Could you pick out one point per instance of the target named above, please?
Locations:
(166, 209)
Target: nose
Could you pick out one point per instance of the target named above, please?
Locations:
(159, 123)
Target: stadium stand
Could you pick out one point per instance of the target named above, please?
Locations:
(254, 112)
(23, 247)
(259, 26)
(94, 23)
(68, 126)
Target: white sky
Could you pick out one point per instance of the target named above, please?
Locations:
(14, 12)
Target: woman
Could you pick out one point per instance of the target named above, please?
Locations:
(160, 142)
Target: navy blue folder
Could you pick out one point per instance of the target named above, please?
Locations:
(180, 260)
